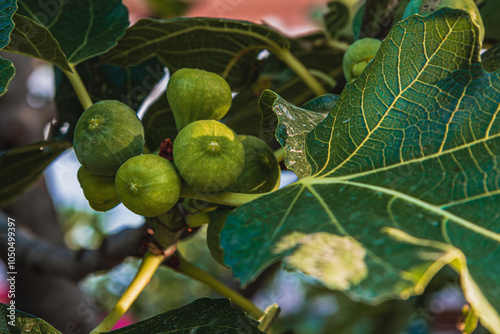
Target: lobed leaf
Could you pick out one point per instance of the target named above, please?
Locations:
(83, 29)
(7, 70)
(201, 316)
(22, 166)
(32, 39)
(405, 177)
(226, 47)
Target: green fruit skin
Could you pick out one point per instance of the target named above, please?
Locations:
(358, 56)
(261, 172)
(208, 155)
(195, 94)
(148, 185)
(426, 7)
(98, 190)
(107, 134)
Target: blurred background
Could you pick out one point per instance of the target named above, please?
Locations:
(60, 213)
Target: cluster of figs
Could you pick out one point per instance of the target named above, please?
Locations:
(207, 155)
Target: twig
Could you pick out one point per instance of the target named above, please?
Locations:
(146, 270)
(183, 266)
(57, 260)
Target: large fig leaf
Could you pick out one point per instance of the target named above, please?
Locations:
(404, 178)
(7, 70)
(83, 29)
(14, 322)
(23, 165)
(201, 316)
(226, 47)
(34, 40)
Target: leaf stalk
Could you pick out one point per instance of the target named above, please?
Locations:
(78, 86)
(146, 270)
(189, 269)
(288, 58)
(223, 198)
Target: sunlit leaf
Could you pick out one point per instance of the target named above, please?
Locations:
(404, 169)
(292, 124)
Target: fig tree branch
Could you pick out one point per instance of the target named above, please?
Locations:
(51, 259)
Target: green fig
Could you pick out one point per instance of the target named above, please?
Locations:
(107, 134)
(148, 185)
(358, 56)
(261, 172)
(208, 155)
(195, 94)
(98, 190)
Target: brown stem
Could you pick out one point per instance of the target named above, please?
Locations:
(56, 260)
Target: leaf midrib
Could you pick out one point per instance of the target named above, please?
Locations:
(309, 182)
(274, 46)
(395, 100)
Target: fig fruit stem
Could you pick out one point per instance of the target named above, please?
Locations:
(79, 87)
(280, 154)
(288, 58)
(189, 269)
(224, 198)
(198, 219)
(146, 270)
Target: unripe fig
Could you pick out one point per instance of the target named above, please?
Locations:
(261, 172)
(148, 185)
(98, 190)
(107, 134)
(426, 7)
(358, 56)
(208, 155)
(195, 94)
